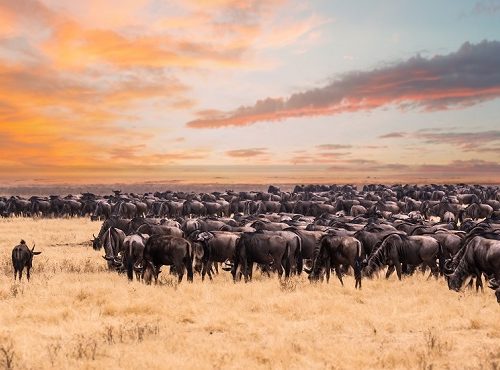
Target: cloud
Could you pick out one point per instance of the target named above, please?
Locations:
(392, 135)
(462, 78)
(489, 7)
(247, 153)
(332, 146)
(478, 141)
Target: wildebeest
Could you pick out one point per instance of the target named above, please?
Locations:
(335, 251)
(481, 255)
(133, 249)
(113, 246)
(397, 249)
(167, 250)
(216, 246)
(22, 257)
(264, 249)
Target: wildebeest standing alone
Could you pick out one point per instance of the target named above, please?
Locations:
(22, 257)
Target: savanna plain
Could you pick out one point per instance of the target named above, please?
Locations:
(75, 314)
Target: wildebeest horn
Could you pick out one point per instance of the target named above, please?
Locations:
(108, 258)
(308, 271)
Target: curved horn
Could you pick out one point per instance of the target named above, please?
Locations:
(308, 271)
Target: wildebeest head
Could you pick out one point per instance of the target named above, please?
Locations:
(198, 254)
(96, 243)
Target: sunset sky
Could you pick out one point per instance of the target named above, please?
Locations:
(264, 91)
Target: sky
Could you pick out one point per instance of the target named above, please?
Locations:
(262, 91)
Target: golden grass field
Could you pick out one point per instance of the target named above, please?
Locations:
(75, 314)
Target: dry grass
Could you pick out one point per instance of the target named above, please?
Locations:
(74, 314)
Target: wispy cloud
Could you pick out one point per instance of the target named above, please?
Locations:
(247, 153)
(478, 141)
(465, 77)
(392, 135)
(333, 146)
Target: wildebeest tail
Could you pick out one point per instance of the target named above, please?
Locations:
(299, 259)
(441, 259)
(286, 258)
(358, 260)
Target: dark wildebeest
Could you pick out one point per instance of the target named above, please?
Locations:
(264, 249)
(114, 221)
(22, 257)
(335, 251)
(397, 249)
(133, 249)
(216, 246)
(102, 210)
(113, 245)
(481, 255)
(167, 250)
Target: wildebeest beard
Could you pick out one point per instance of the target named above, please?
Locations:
(456, 279)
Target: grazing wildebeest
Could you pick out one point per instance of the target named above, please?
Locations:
(264, 249)
(335, 251)
(22, 257)
(481, 255)
(397, 249)
(167, 250)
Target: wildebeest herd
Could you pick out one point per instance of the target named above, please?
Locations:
(453, 230)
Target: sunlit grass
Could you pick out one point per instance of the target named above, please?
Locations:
(73, 313)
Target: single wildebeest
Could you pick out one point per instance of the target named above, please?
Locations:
(113, 247)
(481, 255)
(22, 257)
(264, 249)
(216, 246)
(133, 248)
(397, 249)
(167, 250)
(335, 251)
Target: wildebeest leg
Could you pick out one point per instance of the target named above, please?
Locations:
(248, 271)
(326, 272)
(279, 268)
(434, 269)
(479, 282)
(28, 273)
(339, 274)
(398, 269)
(189, 267)
(471, 282)
(179, 267)
(390, 270)
(204, 269)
